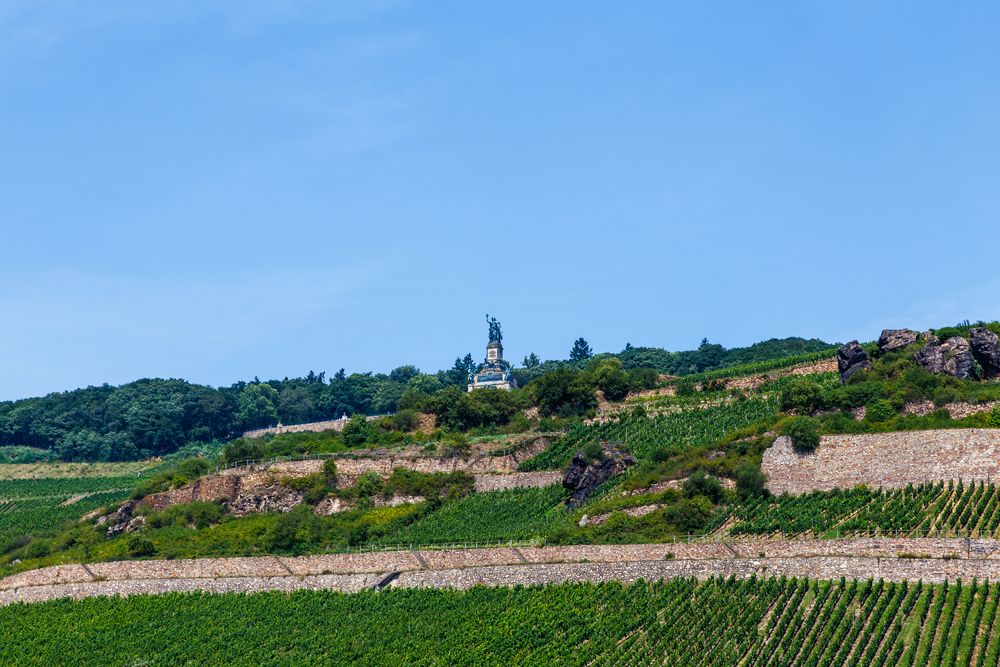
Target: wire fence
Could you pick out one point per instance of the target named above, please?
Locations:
(260, 463)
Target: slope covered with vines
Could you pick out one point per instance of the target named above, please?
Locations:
(944, 508)
(759, 622)
(672, 432)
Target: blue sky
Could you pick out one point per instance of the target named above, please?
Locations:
(218, 190)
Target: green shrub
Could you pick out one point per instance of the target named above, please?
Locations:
(243, 450)
(172, 478)
(685, 388)
(804, 433)
(802, 395)
(139, 546)
(700, 484)
(370, 484)
(661, 455)
(456, 446)
(406, 420)
(751, 482)
(409, 482)
(611, 379)
(301, 484)
(317, 492)
(642, 378)
(690, 515)
(879, 411)
(993, 418)
(294, 531)
(37, 548)
(20, 454)
(593, 451)
(357, 431)
(199, 514)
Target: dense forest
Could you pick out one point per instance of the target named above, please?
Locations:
(153, 417)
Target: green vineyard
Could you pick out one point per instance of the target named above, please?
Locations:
(672, 432)
(29, 506)
(759, 367)
(494, 516)
(758, 622)
(929, 509)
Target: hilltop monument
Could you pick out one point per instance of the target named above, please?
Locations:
(494, 372)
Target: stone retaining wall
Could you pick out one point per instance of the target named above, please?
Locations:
(928, 559)
(517, 480)
(313, 427)
(471, 573)
(818, 567)
(350, 583)
(492, 473)
(887, 460)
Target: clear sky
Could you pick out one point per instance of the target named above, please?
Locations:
(216, 190)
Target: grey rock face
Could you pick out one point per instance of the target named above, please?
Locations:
(893, 339)
(583, 476)
(122, 520)
(954, 357)
(986, 350)
(274, 498)
(851, 358)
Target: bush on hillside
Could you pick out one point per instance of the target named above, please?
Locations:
(563, 393)
(879, 411)
(293, 531)
(243, 450)
(409, 482)
(804, 433)
(802, 395)
(689, 515)
(611, 379)
(139, 547)
(357, 431)
(19, 454)
(198, 514)
(406, 420)
(175, 477)
(751, 482)
(685, 388)
(700, 484)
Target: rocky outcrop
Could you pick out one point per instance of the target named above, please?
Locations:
(986, 350)
(583, 475)
(273, 498)
(851, 358)
(122, 520)
(894, 339)
(954, 356)
(208, 488)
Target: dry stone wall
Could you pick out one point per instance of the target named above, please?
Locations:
(819, 567)
(887, 460)
(492, 473)
(894, 559)
(313, 427)
(517, 480)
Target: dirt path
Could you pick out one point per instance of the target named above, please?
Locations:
(931, 560)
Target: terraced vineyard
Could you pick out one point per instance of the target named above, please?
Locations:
(29, 506)
(759, 367)
(760, 622)
(673, 432)
(514, 514)
(940, 508)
